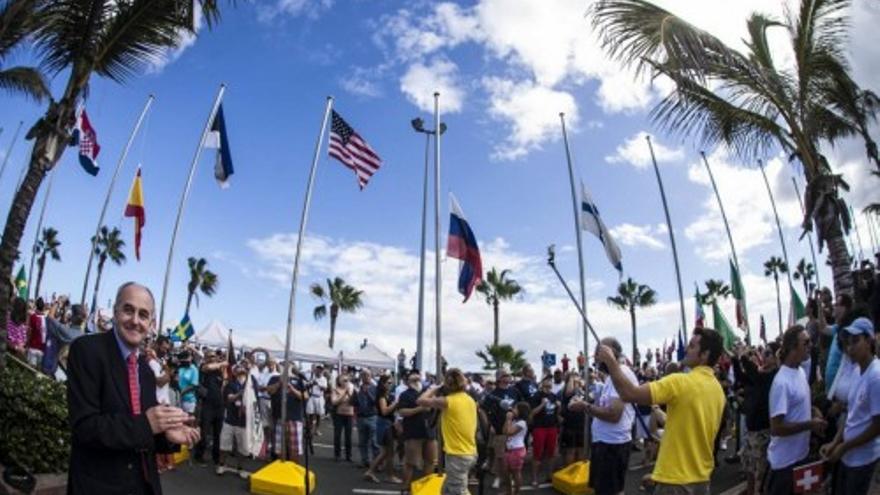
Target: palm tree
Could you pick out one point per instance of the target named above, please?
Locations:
(47, 246)
(773, 268)
(200, 280)
(632, 295)
(747, 102)
(499, 355)
(17, 21)
(340, 297)
(108, 245)
(498, 287)
(113, 39)
(805, 271)
(715, 289)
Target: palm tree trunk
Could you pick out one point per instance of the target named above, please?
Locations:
(778, 302)
(41, 263)
(189, 300)
(51, 134)
(497, 336)
(838, 254)
(632, 319)
(332, 330)
(100, 271)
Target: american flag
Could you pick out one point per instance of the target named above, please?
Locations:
(349, 147)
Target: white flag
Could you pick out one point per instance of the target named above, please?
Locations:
(592, 222)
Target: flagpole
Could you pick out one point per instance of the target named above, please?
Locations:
(671, 233)
(797, 190)
(291, 305)
(437, 274)
(420, 337)
(778, 224)
(103, 213)
(39, 227)
(855, 224)
(577, 231)
(183, 197)
(9, 150)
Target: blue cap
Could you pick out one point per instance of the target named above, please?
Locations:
(861, 326)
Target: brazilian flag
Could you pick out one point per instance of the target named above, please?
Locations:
(183, 331)
(21, 283)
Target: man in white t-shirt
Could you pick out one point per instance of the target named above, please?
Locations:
(611, 431)
(315, 404)
(157, 361)
(857, 444)
(791, 418)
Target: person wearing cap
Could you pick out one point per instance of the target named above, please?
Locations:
(856, 447)
(496, 405)
(233, 436)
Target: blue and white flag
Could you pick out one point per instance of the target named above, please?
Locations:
(218, 139)
(592, 222)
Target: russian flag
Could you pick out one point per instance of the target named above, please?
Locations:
(462, 245)
(85, 137)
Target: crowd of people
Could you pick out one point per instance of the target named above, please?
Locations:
(812, 394)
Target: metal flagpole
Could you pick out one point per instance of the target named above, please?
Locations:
(420, 346)
(291, 306)
(671, 234)
(577, 231)
(778, 224)
(855, 224)
(797, 190)
(437, 274)
(39, 228)
(186, 189)
(122, 158)
(9, 150)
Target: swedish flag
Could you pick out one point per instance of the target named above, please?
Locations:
(183, 331)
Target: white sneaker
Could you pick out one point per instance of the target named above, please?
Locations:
(220, 470)
(244, 474)
(496, 483)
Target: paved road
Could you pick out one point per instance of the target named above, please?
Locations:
(344, 478)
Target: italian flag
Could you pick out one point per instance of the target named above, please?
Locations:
(723, 327)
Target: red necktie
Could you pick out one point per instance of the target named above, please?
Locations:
(134, 391)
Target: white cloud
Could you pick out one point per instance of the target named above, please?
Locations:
(388, 275)
(186, 39)
(532, 113)
(635, 152)
(311, 9)
(421, 81)
(746, 204)
(640, 235)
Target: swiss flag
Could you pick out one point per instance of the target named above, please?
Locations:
(808, 477)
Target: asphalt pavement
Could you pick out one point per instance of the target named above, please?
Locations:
(347, 478)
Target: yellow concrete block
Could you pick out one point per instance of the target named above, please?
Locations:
(572, 479)
(428, 485)
(181, 456)
(282, 478)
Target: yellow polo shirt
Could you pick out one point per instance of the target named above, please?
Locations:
(694, 405)
(458, 425)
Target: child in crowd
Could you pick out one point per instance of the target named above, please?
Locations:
(515, 427)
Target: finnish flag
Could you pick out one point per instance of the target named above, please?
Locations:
(592, 222)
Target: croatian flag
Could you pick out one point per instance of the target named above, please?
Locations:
(85, 137)
(462, 245)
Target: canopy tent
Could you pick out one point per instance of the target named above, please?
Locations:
(275, 346)
(369, 356)
(215, 334)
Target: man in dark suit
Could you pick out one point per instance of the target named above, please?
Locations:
(116, 425)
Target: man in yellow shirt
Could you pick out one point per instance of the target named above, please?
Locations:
(458, 425)
(694, 406)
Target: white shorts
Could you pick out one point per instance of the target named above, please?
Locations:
(230, 434)
(315, 405)
(641, 432)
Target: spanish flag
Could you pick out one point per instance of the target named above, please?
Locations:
(135, 208)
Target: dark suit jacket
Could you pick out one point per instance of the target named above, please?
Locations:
(112, 451)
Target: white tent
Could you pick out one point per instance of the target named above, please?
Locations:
(369, 356)
(275, 345)
(215, 334)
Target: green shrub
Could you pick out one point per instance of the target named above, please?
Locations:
(34, 431)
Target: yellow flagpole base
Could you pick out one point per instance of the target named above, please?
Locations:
(572, 479)
(427, 485)
(282, 478)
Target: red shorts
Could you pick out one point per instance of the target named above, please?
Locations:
(514, 459)
(544, 442)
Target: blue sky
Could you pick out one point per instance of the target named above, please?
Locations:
(505, 70)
